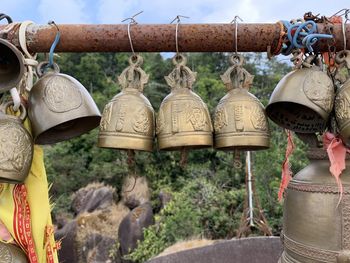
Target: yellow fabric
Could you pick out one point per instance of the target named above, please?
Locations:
(38, 199)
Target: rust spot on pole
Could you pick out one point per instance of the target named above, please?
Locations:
(159, 38)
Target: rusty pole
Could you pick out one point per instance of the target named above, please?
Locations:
(158, 38)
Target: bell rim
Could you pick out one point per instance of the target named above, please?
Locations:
(190, 140)
(229, 141)
(121, 141)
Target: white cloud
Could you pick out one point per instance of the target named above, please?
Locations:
(114, 11)
(63, 11)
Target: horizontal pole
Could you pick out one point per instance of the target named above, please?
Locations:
(159, 37)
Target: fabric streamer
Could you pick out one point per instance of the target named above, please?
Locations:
(336, 151)
(286, 172)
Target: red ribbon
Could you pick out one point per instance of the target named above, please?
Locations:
(336, 151)
(286, 172)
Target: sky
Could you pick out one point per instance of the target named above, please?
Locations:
(163, 11)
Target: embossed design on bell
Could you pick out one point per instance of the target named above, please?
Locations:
(16, 147)
(60, 108)
(58, 92)
(303, 99)
(128, 120)
(183, 118)
(5, 254)
(315, 227)
(239, 119)
(10, 253)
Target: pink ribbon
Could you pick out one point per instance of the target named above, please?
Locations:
(286, 172)
(336, 151)
(4, 233)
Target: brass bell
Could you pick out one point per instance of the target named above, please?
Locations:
(10, 253)
(60, 108)
(16, 147)
(11, 66)
(342, 99)
(240, 122)
(302, 100)
(128, 119)
(183, 120)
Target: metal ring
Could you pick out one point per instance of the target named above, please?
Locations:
(179, 59)
(21, 109)
(43, 66)
(136, 60)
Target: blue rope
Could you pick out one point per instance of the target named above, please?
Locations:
(52, 48)
(305, 36)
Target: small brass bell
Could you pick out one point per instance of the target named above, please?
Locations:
(240, 122)
(11, 66)
(60, 108)
(16, 147)
(10, 253)
(342, 100)
(128, 119)
(302, 100)
(183, 119)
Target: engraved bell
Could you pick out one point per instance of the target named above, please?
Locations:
(60, 108)
(183, 120)
(302, 100)
(128, 119)
(342, 98)
(16, 147)
(11, 66)
(240, 122)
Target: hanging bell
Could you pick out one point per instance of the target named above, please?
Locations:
(16, 147)
(60, 108)
(302, 100)
(11, 66)
(183, 119)
(342, 98)
(240, 122)
(128, 119)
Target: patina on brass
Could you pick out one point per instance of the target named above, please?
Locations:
(11, 66)
(60, 108)
(183, 119)
(11, 254)
(16, 147)
(302, 100)
(128, 119)
(240, 122)
(316, 229)
(342, 98)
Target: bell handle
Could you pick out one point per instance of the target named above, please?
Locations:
(43, 66)
(22, 110)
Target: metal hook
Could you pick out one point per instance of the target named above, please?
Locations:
(132, 22)
(236, 30)
(178, 21)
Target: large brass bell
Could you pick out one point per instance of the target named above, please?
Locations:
(11, 66)
(60, 108)
(302, 100)
(315, 226)
(342, 99)
(16, 147)
(240, 122)
(128, 119)
(183, 120)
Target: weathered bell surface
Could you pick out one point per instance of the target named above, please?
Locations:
(316, 229)
(16, 147)
(183, 120)
(11, 254)
(302, 100)
(11, 66)
(128, 119)
(240, 122)
(60, 108)
(342, 111)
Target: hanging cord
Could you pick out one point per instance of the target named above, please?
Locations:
(301, 34)
(29, 59)
(250, 190)
(178, 21)
(132, 22)
(54, 44)
(235, 21)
